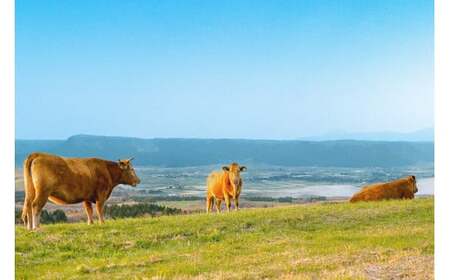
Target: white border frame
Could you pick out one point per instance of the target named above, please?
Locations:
(442, 139)
(7, 135)
(442, 142)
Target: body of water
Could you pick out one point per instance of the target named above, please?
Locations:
(270, 181)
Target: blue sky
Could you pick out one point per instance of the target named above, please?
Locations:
(222, 69)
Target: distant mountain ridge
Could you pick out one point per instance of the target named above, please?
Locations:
(196, 152)
(426, 134)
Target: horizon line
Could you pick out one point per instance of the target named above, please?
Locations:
(303, 139)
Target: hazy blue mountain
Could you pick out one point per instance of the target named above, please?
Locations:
(426, 134)
(196, 152)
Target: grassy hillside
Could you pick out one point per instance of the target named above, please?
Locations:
(324, 240)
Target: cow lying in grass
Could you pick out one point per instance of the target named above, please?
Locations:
(403, 188)
(71, 180)
(225, 185)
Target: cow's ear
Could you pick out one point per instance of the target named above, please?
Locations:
(225, 168)
(414, 177)
(122, 164)
(243, 168)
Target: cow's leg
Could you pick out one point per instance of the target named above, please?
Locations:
(26, 217)
(228, 203)
(218, 203)
(236, 203)
(99, 208)
(408, 195)
(209, 203)
(37, 205)
(88, 208)
(29, 215)
(27, 211)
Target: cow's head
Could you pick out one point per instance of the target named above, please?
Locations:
(414, 183)
(128, 175)
(234, 173)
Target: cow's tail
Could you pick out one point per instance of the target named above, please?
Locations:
(29, 189)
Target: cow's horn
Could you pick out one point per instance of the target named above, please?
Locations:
(131, 159)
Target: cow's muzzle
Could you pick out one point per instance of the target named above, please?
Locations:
(136, 183)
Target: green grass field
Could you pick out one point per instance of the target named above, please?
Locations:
(313, 241)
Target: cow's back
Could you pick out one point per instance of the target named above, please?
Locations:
(55, 169)
(370, 193)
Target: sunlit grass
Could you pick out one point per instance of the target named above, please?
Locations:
(325, 240)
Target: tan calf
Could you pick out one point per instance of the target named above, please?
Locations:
(225, 185)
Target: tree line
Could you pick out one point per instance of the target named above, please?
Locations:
(114, 211)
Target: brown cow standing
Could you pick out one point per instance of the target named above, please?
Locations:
(225, 185)
(71, 180)
(403, 188)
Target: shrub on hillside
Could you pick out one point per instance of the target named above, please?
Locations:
(286, 199)
(140, 209)
(47, 217)
(147, 199)
(314, 198)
